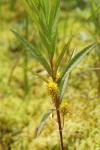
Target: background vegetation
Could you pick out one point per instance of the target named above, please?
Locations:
(23, 97)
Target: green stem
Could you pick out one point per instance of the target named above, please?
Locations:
(26, 87)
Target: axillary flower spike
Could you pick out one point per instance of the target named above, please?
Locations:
(64, 108)
(52, 89)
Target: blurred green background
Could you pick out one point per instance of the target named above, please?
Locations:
(23, 97)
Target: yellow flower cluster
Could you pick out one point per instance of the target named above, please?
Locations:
(52, 86)
(52, 89)
(64, 108)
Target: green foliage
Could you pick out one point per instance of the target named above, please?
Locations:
(75, 61)
(19, 119)
(66, 47)
(64, 82)
(43, 121)
(35, 73)
(34, 52)
(47, 22)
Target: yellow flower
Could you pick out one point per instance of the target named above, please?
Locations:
(57, 76)
(64, 108)
(52, 89)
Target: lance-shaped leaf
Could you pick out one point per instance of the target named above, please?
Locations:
(44, 29)
(55, 6)
(47, 7)
(54, 26)
(75, 61)
(62, 87)
(56, 16)
(33, 51)
(35, 7)
(66, 47)
(35, 73)
(46, 44)
(29, 11)
(43, 121)
(63, 83)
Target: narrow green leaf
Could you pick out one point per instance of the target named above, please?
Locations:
(44, 29)
(47, 7)
(54, 26)
(75, 61)
(42, 123)
(55, 21)
(53, 12)
(63, 83)
(35, 73)
(29, 11)
(46, 44)
(66, 47)
(33, 51)
(35, 7)
(62, 87)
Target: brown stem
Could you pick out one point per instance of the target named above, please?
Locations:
(57, 109)
(59, 122)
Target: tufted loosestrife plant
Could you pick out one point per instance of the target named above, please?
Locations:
(45, 14)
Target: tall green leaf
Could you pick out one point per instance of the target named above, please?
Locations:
(63, 83)
(43, 121)
(33, 51)
(46, 44)
(55, 20)
(47, 9)
(35, 7)
(30, 12)
(75, 61)
(44, 30)
(35, 73)
(66, 47)
(54, 26)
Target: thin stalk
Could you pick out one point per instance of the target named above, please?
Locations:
(59, 122)
(99, 77)
(63, 120)
(57, 109)
(26, 87)
(51, 63)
